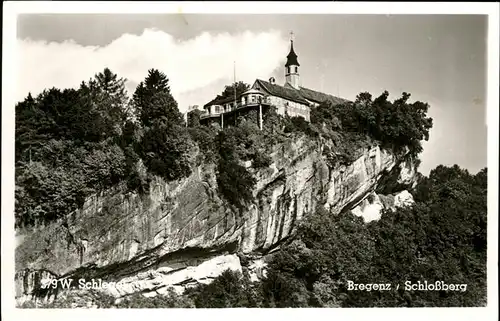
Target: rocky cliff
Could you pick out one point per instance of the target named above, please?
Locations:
(182, 233)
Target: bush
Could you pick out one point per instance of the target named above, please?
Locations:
(165, 149)
(168, 301)
(229, 290)
(261, 160)
(298, 124)
(205, 137)
(235, 183)
(236, 145)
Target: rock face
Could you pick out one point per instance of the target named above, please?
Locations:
(183, 231)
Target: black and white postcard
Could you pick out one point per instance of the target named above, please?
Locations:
(163, 158)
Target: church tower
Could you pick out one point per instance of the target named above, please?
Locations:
(292, 77)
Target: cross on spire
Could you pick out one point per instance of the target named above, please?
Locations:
(292, 56)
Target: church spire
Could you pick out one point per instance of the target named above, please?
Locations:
(292, 67)
(292, 56)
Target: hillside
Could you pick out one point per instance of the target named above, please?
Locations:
(122, 191)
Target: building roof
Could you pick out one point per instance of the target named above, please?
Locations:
(222, 101)
(319, 97)
(302, 95)
(252, 91)
(292, 57)
(281, 91)
(219, 101)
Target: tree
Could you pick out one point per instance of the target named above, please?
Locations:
(229, 91)
(235, 182)
(65, 147)
(228, 290)
(165, 150)
(165, 143)
(399, 125)
(205, 137)
(152, 100)
(109, 82)
(112, 98)
(193, 118)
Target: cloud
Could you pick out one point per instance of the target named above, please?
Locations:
(193, 64)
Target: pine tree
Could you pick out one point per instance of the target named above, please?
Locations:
(153, 101)
(113, 86)
(111, 99)
(165, 145)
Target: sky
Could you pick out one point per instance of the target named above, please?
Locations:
(438, 59)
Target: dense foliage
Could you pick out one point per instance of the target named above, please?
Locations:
(66, 147)
(233, 90)
(236, 145)
(74, 142)
(441, 238)
(193, 118)
(398, 125)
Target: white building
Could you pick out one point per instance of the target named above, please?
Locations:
(290, 99)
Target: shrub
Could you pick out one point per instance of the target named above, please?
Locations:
(235, 183)
(261, 160)
(205, 137)
(229, 290)
(165, 149)
(397, 125)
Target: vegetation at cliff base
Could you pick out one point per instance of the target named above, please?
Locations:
(441, 238)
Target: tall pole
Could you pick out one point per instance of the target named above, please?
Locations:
(234, 78)
(260, 115)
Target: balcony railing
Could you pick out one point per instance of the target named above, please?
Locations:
(239, 105)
